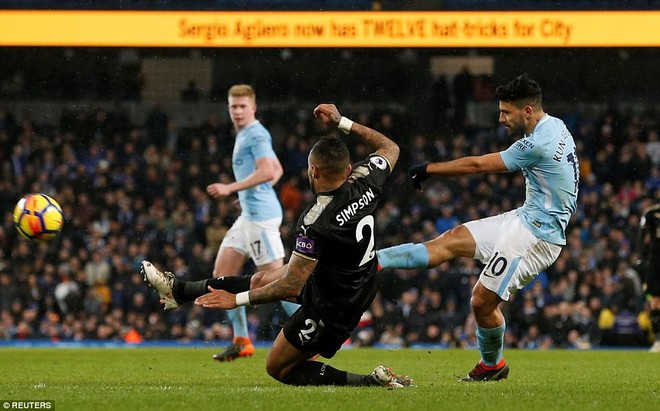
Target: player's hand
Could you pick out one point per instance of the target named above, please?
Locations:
(217, 299)
(417, 175)
(218, 190)
(328, 113)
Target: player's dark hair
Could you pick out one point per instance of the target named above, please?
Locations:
(522, 89)
(331, 155)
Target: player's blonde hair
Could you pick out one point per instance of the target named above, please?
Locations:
(242, 90)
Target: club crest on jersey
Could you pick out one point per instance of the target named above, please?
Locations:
(379, 162)
(305, 245)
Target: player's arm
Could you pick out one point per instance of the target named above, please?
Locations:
(381, 145)
(267, 169)
(487, 163)
(278, 171)
(283, 287)
(287, 286)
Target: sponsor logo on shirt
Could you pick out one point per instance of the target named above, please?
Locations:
(305, 245)
(523, 144)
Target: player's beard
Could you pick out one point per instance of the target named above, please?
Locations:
(516, 131)
(311, 185)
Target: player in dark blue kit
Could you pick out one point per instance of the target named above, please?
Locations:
(332, 270)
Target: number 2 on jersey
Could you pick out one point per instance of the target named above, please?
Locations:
(367, 221)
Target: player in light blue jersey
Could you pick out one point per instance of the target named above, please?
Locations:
(516, 245)
(256, 233)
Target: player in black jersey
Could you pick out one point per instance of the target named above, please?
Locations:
(331, 272)
(650, 256)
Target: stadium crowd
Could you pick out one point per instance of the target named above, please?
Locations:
(131, 192)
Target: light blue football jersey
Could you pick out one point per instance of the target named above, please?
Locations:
(260, 202)
(548, 160)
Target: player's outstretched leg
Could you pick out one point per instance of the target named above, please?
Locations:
(174, 292)
(162, 282)
(316, 373)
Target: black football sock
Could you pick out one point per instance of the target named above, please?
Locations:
(360, 380)
(318, 373)
(655, 323)
(185, 291)
(233, 283)
(315, 373)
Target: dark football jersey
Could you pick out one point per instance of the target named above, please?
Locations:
(338, 232)
(650, 224)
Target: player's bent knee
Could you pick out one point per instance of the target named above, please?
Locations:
(478, 304)
(276, 372)
(287, 375)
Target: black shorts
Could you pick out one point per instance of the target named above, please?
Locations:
(307, 332)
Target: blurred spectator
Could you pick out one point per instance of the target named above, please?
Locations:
(621, 327)
(97, 270)
(291, 195)
(192, 93)
(463, 86)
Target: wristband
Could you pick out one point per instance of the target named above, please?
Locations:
(243, 298)
(345, 125)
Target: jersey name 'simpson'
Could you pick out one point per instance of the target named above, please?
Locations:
(348, 212)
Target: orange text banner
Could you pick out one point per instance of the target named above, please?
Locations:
(329, 29)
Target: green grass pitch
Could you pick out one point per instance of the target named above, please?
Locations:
(187, 379)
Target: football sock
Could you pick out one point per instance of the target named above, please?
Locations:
(234, 284)
(360, 380)
(318, 373)
(407, 256)
(655, 323)
(238, 320)
(185, 291)
(289, 307)
(491, 344)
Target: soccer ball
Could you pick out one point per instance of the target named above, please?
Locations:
(38, 217)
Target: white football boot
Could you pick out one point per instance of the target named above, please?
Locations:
(161, 281)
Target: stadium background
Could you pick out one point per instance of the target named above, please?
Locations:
(127, 151)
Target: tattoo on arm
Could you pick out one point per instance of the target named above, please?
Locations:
(378, 141)
(288, 286)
